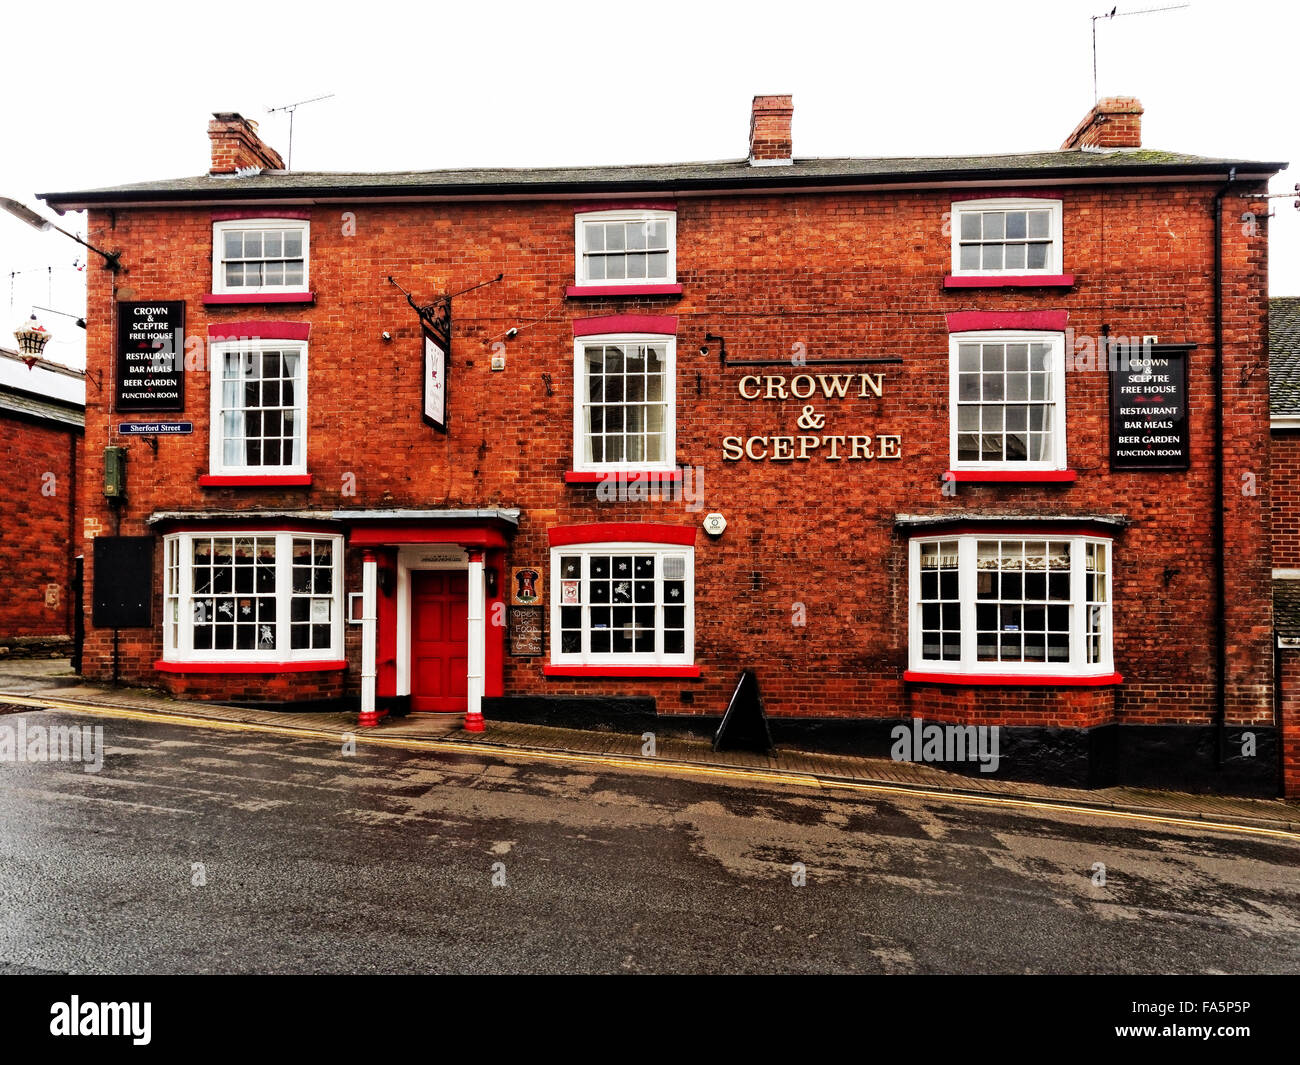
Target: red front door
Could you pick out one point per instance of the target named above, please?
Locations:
(439, 644)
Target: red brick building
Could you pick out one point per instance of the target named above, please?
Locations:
(1284, 412)
(845, 422)
(41, 427)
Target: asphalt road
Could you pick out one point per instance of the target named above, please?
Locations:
(383, 861)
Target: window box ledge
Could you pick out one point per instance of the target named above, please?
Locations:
(622, 290)
(620, 671)
(1009, 281)
(321, 666)
(1012, 476)
(646, 477)
(1044, 680)
(292, 480)
(211, 299)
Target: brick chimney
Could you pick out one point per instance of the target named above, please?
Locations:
(1116, 122)
(770, 143)
(236, 145)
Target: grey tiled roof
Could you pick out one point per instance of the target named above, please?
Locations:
(1284, 355)
(12, 401)
(1286, 608)
(281, 184)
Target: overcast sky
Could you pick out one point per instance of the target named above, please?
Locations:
(98, 94)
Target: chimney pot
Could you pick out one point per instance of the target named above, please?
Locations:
(1115, 122)
(770, 143)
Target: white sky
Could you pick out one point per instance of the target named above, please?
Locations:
(101, 94)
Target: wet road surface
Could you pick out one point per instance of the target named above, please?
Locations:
(198, 850)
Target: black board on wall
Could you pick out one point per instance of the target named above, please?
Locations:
(123, 597)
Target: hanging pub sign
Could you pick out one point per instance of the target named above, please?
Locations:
(435, 383)
(435, 327)
(1148, 407)
(150, 348)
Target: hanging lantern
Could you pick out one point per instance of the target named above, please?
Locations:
(32, 337)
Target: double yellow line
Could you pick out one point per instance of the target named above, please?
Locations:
(739, 775)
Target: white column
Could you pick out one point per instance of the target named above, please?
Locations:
(477, 644)
(369, 618)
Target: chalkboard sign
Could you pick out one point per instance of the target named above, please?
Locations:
(150, 356)
(1148, 407)
(527, 633)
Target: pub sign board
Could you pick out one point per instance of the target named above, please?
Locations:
(1149, 425)
(150, 355)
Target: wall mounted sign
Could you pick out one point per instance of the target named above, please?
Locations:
(155, 428)
(527, 633)
(526, 586)
(1148, 408)
(810, 441)
(435, 382)
(150, 349)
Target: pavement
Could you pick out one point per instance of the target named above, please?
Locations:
(50, 683)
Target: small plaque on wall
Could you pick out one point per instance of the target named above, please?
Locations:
(526, 586)
(527, 632)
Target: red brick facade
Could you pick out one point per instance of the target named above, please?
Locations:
(38, 464)
(809, 583)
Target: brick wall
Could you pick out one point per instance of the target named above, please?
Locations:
(37, 479)
(841, 274)
(1285, 461)
(1289, 670)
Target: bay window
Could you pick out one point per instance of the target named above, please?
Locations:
(255, 596)
(1017, 605)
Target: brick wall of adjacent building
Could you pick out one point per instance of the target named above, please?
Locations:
(829, 274)
(1285, 462)
(1289, 699)
(38, 460)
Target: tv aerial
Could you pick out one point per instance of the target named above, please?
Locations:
(291, 108)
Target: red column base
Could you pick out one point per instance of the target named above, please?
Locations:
(368, 719)
(474, 723)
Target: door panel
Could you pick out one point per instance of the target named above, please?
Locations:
(439, 640)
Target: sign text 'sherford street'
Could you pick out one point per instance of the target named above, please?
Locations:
(150, 344)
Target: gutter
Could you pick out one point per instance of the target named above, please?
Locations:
(1220, 582)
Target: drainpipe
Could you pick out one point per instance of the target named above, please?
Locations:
(1220, 585)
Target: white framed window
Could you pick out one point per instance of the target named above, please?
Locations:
(625, 248)
(253, 256)
(259, 407)
(624, 411)
(1006, 236)
(251, 596)
(1014, 605)
(1007, 400)
(623, 604)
